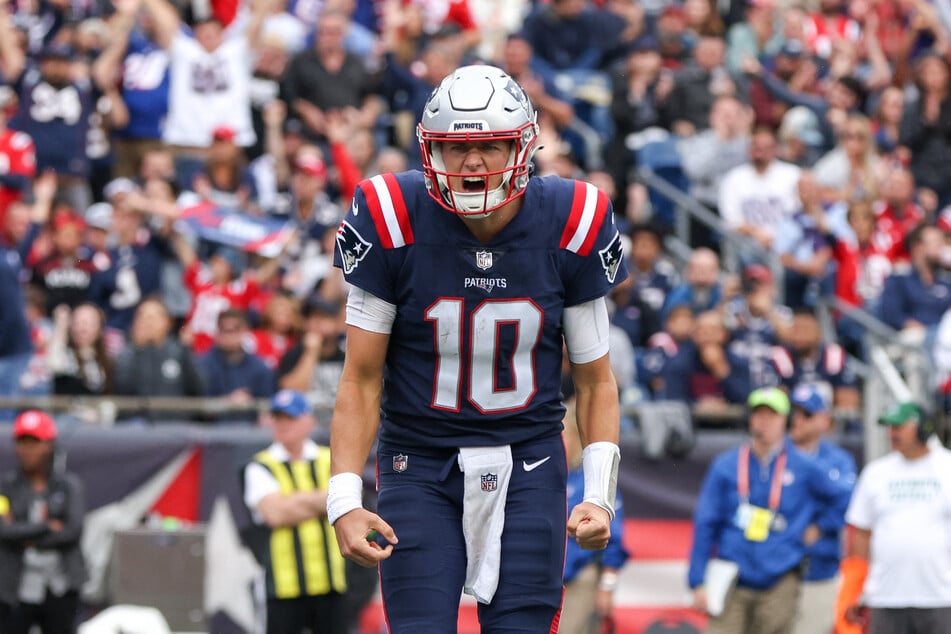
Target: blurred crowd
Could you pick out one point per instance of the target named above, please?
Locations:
(172, 175)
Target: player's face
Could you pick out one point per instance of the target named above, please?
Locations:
(476, 158)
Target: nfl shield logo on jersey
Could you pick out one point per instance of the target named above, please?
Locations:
(490, 482)
(484, 260)
(400, 461)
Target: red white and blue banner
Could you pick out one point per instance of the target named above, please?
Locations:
(231, 227)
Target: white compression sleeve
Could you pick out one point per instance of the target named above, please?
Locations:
(369, 312)
(586, 330)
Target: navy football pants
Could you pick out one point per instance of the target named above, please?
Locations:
(422, 581)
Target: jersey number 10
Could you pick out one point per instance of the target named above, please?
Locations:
(447, 315)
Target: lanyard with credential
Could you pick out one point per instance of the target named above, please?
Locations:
(743, 477)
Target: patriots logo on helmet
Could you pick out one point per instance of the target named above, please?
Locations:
(352, 246)
(516, 91)
(611, 257)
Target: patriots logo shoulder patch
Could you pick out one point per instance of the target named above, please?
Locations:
(611, 257)
(353, 248)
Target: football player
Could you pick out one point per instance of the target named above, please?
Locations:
(467, 279)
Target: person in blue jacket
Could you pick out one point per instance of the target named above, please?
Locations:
(760, 506)
(919, 298)
(591, 576)
(811, 422)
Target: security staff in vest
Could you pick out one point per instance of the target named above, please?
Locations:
(285, 488)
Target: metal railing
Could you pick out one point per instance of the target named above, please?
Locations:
(733, 243)
(897, 369)
(106, 409)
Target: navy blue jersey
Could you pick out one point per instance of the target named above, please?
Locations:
(655, 285)
(57, 119)
(829, 371)
(475, 354)
(135, 273)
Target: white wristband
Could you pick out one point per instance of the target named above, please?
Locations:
(600, 460)
(344, 493)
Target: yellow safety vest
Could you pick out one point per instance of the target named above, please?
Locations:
(305, 560)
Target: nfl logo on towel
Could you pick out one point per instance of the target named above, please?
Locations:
(399, 463)
(484, 260)
(490, 482)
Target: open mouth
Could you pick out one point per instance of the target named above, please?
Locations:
(473, 184)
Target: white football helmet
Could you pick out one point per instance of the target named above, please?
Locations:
(476, 103)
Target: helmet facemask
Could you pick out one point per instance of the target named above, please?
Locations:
(479, 203)
(477, 104)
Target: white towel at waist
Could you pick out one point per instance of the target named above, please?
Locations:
(487, 473)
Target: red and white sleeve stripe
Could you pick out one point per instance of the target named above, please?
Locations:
(388, 210)
(588, 208)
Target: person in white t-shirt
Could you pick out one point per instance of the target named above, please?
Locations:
(757, 196)
(898, 561)
(210, 74)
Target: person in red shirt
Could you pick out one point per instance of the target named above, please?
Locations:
(280, 325)
(17, 159)
(863, 266)
(217, 286)
(863, 262)
(827, 25)
(431, 18)
(896, 214)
